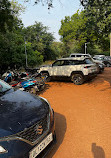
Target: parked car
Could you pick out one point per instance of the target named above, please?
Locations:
(99, 63)
(76, 69)
(79, 55)
(104, 59)
(26, 124)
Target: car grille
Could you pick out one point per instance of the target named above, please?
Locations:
(31, 134)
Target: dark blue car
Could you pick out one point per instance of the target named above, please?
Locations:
(26, 124)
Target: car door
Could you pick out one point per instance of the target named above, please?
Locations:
(61, 68)
(57, 68)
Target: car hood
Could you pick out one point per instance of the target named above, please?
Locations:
(20, 110)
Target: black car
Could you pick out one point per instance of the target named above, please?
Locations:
(27, 127)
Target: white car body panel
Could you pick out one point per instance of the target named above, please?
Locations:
(66, 70)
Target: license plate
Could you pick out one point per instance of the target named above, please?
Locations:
(39, 148)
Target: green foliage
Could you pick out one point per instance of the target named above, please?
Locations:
(75, 33)
(11, 48)
(99, 15)
(6, 15)
(90, 25)
(12, 40)
(40, 38)
(17, 8)
(35, 58)
(107, 53)
(58, 49)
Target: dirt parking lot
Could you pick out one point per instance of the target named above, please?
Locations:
(83, 117)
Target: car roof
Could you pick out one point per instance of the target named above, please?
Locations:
(99, 55)
(74, 58)
(79, 54)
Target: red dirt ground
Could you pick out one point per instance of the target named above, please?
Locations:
(83, 117)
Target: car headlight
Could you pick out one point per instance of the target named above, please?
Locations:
(2, 150)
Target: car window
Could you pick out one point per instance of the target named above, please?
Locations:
(66, 62)
(88, 61)
(4, 86)
(73, 55)
(58, 63)
(76, 62)
(79, 55)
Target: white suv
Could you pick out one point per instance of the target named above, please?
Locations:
(80, 55)
(77, 69)
(98, 62)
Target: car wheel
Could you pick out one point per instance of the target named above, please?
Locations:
(108, 65)
(77, 79)
(45, 76)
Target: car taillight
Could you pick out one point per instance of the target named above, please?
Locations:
(86, 67)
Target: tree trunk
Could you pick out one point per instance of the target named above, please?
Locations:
(110, 44)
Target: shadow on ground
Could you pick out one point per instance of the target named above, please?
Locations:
(60, 128)
(58, 83)
(101, 78)
(97, 151)
(47, 86)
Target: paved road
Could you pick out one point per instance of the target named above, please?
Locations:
(83, 117)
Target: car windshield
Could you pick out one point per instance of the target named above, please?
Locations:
(4, 86)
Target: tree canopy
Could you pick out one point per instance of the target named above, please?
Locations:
(49, 3)
(6, 15)
(90, 25)
(15, 37)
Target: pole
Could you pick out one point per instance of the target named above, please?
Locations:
(110, 44)
(25, 53)
(85, 47)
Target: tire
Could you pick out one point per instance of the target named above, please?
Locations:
(77, 79)
(45, 76)
(108, 65)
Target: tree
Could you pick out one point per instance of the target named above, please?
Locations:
(17, 8)
(6, 15)
(11, 39)
(58, 50)
(95, 3)
(99, 12)
(40, 38)
(49, 3)
(75, 31)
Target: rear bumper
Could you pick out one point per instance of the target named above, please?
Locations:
(101, 69)
(90, 75)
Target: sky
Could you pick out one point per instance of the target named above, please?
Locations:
(51, 18)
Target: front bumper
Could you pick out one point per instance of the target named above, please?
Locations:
(20, 149)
